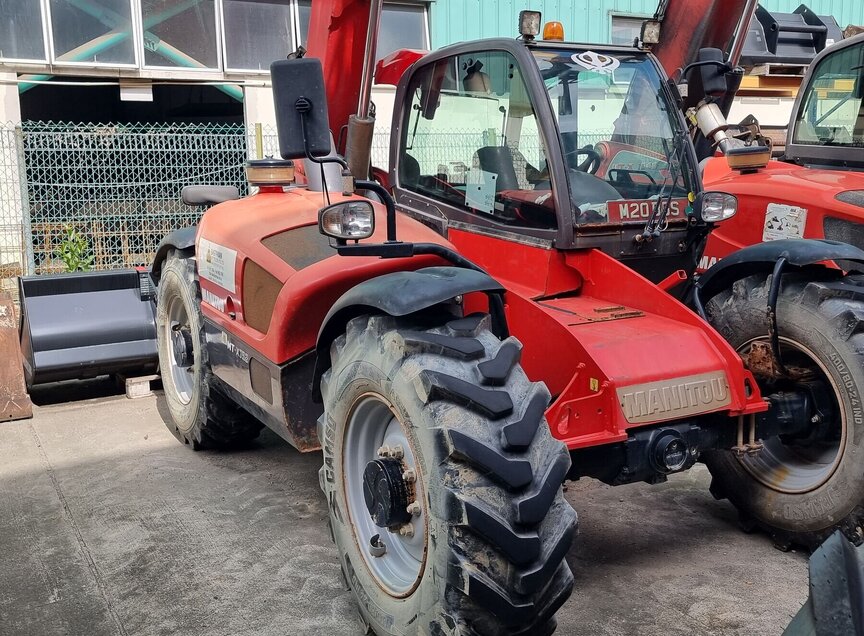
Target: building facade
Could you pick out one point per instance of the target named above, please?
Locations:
(207, 60)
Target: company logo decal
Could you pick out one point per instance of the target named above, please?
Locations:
(213, 300)
(596, 62)
(671, 399)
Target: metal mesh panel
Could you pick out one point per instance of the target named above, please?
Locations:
(119, 185)
(12, 252)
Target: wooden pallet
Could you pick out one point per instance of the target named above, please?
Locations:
(14, 402)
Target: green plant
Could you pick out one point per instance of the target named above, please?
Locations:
(74, 251)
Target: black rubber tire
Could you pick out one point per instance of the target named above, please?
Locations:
(496, 542)
(210, 420)
(827, 317)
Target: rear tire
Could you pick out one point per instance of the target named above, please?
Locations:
(493, 528)
(801, 491)
(201, 415)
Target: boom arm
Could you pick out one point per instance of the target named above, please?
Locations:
(338, 30)
(690, 25)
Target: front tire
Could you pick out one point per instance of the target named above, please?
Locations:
(800, 489)
(491, 528)
(201, 415)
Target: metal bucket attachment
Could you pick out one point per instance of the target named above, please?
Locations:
(82, 325)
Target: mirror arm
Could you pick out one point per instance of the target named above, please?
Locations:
(303, 106)
(387, 198)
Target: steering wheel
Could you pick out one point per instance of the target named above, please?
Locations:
(592, 163)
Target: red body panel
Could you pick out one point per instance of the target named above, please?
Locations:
(390, 69)
(782, 183)
(614, 329)
(304, 302)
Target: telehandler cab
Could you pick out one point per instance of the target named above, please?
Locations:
(502, 322)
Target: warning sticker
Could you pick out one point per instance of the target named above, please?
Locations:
(784, 222)
(216, 264)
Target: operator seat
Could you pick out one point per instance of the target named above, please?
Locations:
(499, 161)
(476, 81)
(409, 170)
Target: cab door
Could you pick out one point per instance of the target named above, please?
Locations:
(471, 156)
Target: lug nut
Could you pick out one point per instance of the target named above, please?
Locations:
(409, 476)
(406, 530)
(397, 451)
(414, 509)
(384, 451)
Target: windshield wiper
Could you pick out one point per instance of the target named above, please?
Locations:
(656, 222)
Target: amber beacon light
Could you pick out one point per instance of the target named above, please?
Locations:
(553, 31)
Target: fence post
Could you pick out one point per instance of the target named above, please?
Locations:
(26, 229)
(259, 141)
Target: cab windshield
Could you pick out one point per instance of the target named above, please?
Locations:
(620, 136)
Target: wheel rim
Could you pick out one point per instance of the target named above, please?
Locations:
(790, 466)
(181, 349)
(372, 425)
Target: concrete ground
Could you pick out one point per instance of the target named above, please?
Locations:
(109, 526)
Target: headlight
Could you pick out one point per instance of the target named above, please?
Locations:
(349, 220)
(718, 206)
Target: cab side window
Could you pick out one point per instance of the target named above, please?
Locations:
(471, 140)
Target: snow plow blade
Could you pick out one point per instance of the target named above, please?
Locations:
(82, 325)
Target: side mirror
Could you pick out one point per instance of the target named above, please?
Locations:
(712, 72)
(301, 108)
(713, 207)
(347, 221)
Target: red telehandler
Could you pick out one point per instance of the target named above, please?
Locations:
(814, 190)
(499, 320)
(460, 340)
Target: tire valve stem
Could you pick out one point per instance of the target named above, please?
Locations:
(376, 546)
